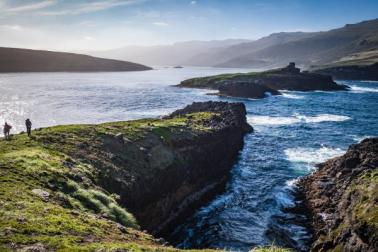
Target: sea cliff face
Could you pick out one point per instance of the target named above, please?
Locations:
(342, 198)
(96, 186)
(351, 72)
(258, 84)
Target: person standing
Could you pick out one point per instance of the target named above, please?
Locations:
(28, 125)
(7, 128)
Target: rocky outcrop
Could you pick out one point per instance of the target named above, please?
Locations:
(342, 198)
(257, 84)
(351, 72)
(82, 185)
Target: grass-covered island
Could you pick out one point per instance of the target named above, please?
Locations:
(87, 187)
(259, 84)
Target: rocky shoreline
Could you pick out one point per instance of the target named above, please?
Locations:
(341, 200)
(262, 84)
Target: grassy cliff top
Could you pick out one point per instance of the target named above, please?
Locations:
(50, 200)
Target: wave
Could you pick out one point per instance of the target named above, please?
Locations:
(308, 157)
(357, 89)
(296, 118)
(360, 138)
(292, 96)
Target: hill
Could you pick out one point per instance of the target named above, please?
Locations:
(25, 60)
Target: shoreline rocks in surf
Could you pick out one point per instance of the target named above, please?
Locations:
(341, 197)
(160, 170)
(261, 84)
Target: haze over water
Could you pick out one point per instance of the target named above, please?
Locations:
(292, 133)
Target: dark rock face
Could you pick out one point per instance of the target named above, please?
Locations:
(342, 198)
(355, 72)
(256, 85)
(246, 90)
(25, 60)
(163, 179)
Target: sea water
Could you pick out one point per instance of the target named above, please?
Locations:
(293, 132)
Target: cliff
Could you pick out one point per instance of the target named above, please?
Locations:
(342, 198)
(96, 186)
(351, 72)
(258, 84)
(25, 60)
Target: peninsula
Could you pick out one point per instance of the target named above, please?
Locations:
(262, 84)
(26, 60)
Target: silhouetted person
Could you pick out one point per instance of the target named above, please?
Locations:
(7, 128)
(28, 125)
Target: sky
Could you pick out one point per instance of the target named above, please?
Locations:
(74, 25)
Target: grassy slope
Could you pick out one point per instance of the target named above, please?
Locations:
(76, 213)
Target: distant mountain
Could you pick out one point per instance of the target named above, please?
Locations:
(179, 53)
(357, 42)
(220, 55)
(316, 49)
(25, 60)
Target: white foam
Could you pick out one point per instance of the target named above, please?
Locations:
(311, 156)
(357, 89)
(292, 183)
(359, 139)
(292, 96)
(323, 118)
(296, 118)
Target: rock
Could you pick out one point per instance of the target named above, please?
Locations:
(41, 193)
(246, 90)
(119, 137)
(341, 197)
(38, 247)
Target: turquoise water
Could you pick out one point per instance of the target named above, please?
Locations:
(293, 132)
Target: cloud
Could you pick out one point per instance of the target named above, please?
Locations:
(28, 7)
(12, 27)
(89, 38)
(193, 2)
(160, 24)
(90, 7)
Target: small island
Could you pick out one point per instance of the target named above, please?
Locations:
(262, 84)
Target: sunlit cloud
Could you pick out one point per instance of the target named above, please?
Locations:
(83, 8)
(160, 24)
(27, 7)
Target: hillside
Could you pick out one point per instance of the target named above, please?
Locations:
(25, 60)
(319, 48)
(87, 187)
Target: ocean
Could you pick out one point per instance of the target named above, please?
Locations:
(293, 132)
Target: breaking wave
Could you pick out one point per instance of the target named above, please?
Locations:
(296, 118)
